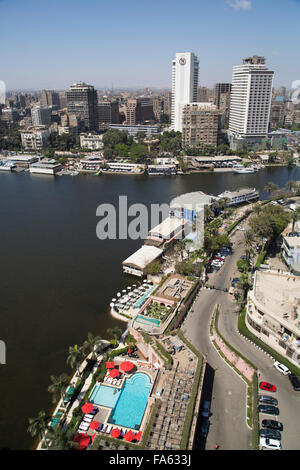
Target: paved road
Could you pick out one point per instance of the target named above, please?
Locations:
(228, 420)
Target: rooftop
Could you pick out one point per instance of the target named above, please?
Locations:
(279, 293)
(144, 256)
(197, 197)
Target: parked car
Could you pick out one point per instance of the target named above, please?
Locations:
(268, 409)
(272, 424)
(270, 433)
(281, 368)
(295, 382)
(234, 281)
(267, 386)
(204, 427)
(206, 409)
(269, 444)
(268, 400)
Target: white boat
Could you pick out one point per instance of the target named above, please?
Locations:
(244, 171)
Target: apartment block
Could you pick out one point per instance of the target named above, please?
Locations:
(201, 125)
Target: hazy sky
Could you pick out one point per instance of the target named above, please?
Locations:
(130, 43)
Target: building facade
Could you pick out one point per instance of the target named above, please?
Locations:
(138, 110)
(82, 101)
(201, 125)
(273, 310)
(185, 72)
(250, 101)
(41, 116)
(34, 139)
(107, 113)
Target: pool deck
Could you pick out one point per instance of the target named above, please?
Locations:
(104, 412)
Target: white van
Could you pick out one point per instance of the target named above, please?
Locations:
(281, 368)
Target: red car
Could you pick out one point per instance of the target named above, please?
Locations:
(267, 386)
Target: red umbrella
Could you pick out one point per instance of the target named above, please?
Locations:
(83, 440)
(110, 365)
(127, 366)
(114, 373)
(87, 407)
(129, 350)
(138, 436)
(129, 436)
(94, 424)
(116, 432)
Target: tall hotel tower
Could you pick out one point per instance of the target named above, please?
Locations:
(250, 101)
(185, 71)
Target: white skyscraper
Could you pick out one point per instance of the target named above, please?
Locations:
(250, 101)
(185, 71)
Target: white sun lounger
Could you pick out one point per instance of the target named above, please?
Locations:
(88, 420)
(84, 426)
(104, 428)
(109, 428)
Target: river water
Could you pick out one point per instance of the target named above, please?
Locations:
(57, 278)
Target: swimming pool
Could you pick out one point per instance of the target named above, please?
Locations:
(104, 396)
(128, 404)
(130, 407)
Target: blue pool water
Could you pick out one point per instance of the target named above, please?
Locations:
(129, 403)
(130, 407)
(104, 396)
(142, 300)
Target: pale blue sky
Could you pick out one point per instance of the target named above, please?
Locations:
(52, 43)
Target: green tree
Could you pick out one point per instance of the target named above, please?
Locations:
(271, 188)
(90, 344)
(138, 152)
(62, 439)
(115, 333)
(154, 268)
(59, 386)
(39, 425)
(122, 150)
(75, 357)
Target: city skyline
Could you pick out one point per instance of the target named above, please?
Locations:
(75, 40)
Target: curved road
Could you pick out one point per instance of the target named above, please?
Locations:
(228, 421)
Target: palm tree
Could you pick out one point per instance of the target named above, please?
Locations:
(271, 187)
(38, 426)
(75, 357)
(59, 386)
(60, 439)
(90, 343)
(295, 216)
(249, 240)
(115, 332)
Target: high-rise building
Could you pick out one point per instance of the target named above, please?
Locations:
(139, 110)
(221, 89)
(82, 101)
(41, 116)
(49, 98)
(201, 125)
(185, 71)
(250, 101)
(107, 113)
(204, 95)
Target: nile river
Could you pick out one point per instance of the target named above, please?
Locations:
(57, 278)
